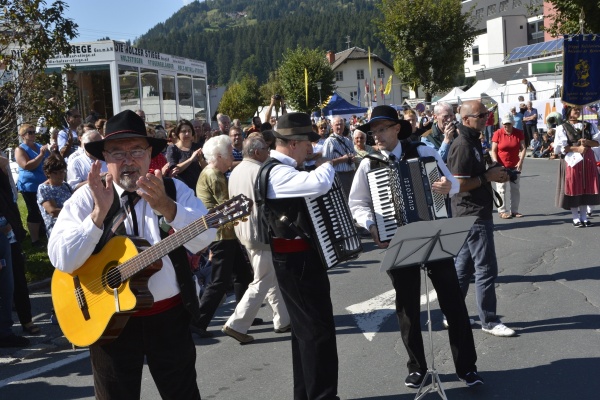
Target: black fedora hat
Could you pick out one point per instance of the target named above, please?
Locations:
(387, 113)
(295, 126)
(124, 125)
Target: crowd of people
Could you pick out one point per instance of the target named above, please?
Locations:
(170, 177)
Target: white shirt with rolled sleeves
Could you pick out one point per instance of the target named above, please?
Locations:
(75, 235)
(78, 168)
(360, 194)
(285, 181)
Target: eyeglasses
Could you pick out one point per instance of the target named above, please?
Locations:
(120, 155)
(380, 131)
(482, 115)
(30, 132)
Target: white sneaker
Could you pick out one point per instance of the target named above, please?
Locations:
(499, 329)
(445, 322)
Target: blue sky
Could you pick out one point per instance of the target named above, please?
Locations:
(119, 19)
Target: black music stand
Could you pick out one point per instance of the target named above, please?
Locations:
(417, 244)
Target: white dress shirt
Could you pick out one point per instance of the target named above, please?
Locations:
(285, 181)
(75, 235)
(360, 194)
(78, 168)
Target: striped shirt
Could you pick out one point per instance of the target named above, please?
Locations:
(338, 146)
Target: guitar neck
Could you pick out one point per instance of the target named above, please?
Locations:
(164, 247)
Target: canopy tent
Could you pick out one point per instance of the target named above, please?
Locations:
(513, 89)
(452, 96)
(338, 106)
(479, 88)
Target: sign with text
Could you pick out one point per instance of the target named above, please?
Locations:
(546, 67)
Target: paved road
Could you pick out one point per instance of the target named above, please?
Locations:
(548, 290)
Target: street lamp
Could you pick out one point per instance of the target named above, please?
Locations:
(319, 87)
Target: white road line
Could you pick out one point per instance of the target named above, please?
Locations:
(371, 314)
(45, 368)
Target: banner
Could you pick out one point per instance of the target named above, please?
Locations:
(581, 69)
(544, 107)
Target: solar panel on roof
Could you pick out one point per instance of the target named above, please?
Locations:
(535, 50)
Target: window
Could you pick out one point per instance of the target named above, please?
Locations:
(504, 6)
(94, 89)
(380, 73)
(353, 96)
(516, 3)
(150, 95)
(491, 10)
(339, 75)
(479, 13)
(360, 74)
(475, 52)
(535, 32)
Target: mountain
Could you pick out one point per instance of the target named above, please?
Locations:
(237, 37)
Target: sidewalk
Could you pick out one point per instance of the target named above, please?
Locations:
(51, 337)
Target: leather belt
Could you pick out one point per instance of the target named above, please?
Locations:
(280, 245)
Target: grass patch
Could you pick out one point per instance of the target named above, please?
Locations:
(37, 265)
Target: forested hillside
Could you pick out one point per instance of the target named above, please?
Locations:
(237, 37)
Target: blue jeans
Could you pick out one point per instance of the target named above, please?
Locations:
(478, 256)
(6, 288)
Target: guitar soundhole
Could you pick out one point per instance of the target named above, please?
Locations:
(113, 278)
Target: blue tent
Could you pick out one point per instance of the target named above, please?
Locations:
(338, 106)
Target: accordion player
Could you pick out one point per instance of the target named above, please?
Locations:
(406, 184)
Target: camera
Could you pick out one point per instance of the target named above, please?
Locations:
(277, 97)
(513, 174)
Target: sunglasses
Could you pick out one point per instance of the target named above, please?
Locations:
(480, 115)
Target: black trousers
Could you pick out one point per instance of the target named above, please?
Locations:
(228, 261)
(166, 343)
(21, 293)
(305, 289)
(407, 283)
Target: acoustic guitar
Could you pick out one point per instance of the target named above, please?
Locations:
(94, 302)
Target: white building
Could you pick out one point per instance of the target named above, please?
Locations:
(351, 68)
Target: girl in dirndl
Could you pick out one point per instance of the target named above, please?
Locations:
(578, 185)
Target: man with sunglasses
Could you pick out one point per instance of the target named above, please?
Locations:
(68, 140)
(475, 198)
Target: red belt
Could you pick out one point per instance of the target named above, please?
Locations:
(289, 245)
(159, 306)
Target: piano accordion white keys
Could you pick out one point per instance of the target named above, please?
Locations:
(333, 227)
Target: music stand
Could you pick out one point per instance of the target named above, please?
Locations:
(417, 244)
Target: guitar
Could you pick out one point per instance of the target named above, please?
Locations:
(94, 302)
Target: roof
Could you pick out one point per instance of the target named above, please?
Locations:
(356, 53)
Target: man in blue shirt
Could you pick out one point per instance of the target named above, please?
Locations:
(530, 118)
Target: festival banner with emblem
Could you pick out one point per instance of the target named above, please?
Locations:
(581, 69)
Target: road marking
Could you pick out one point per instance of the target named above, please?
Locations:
(45, 368)
(372, 313)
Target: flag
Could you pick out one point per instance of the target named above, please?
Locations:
(581, 83)
(306, 84)
(366, 86)
(374, 89)
(358, 95)
(369, 60)
(388, 86)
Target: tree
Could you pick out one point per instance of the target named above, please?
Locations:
(565, 16)
(428, 39)
(292, 77)
(241, 99)
(30, 34)
(271, 88)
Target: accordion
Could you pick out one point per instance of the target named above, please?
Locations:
(401, 194)
(333, 227)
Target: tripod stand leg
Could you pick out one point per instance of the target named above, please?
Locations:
(436, 383)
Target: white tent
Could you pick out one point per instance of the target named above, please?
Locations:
(513, 89)
(479, 88)
(452, 96)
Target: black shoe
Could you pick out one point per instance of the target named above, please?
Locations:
(202, 333)
(257, 321)
(578, 224)
(590, 215)
(14, 341)
(587, 223)
(472, 379)
(414, 380)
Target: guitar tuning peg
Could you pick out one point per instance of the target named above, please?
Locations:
(235, 223)
(245, 219)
